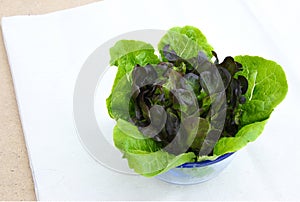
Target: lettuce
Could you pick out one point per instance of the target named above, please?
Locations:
(144, 155)
(179, 38)
(126, 54)
(268, 87)
(246, 134)
(151, 97)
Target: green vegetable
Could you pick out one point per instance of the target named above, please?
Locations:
(144, 154)
(186, 41)
(246, 134)
(126, 54)
(170, 111)
(267, 87)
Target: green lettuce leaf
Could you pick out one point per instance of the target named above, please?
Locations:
(179, 38)
(150, 164)
(267, 87)
(126, 54)
(144, 155)
(118, 103)
(246, 134)
(207, 158)
(128, 138)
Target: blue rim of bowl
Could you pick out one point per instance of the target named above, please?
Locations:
(205, 163)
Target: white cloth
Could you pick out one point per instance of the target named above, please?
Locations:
(47, 51)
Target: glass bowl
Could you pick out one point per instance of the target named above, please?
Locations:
(193, 173)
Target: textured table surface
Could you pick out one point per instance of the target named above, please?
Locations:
(15, 176)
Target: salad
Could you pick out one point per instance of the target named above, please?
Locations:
(181, 104)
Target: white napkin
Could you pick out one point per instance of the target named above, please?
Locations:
(46, 53)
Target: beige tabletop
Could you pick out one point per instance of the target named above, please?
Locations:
(15, 175)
